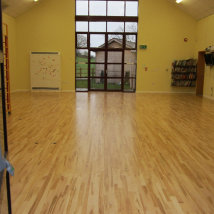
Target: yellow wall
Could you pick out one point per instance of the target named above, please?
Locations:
(162, 27)
(49, 26)
(12, 50)
(205, 38)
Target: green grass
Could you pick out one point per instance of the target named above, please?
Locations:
(82, 69)
(111, 86)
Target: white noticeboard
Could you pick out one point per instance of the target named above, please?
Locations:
(45, 70)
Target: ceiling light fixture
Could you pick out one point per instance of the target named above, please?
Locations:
(179, 1)
(35, 0)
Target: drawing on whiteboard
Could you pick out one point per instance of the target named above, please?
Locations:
(47, 69)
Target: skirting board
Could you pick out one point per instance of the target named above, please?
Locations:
(163, 92)
(20, 90)
(67, 91)
(208, 97)
(53, 91)
(28, 90)
(138, 92)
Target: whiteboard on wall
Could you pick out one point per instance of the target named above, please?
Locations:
(45, 70)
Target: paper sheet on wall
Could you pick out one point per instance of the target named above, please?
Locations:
(45, 70)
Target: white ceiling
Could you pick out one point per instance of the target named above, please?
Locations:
(17, 7)
(196, 8)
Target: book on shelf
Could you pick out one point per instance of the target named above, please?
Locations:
(184, 73)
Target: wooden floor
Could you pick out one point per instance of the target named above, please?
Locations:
(112, 153)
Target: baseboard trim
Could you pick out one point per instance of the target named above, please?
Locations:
(42, 90)
(67, 91)
(53, 91)
(20, 90)
(137, 92)
(163, 92)
(208, 97)
(45, 91)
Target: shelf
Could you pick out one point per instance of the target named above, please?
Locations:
(184, 75)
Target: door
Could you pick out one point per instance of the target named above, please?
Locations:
(114, 70)
(106, 63)
(97, 55)
(200, 73)
(115, 59)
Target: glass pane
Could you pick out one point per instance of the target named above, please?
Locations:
(82, 84)
(97, 70)
(131, 27)
(114, 84)
(114, 70)
(131, 41)
(130, 71)
(97, 41)
(116, 8)
(81, 70)
(131, 8)
(115, 27)
(98, 56)
(97, 26)
(81, 26)
(97, 8)
(114, 57)
(81, 56)
(115, 41)
(82, 40)
(129, 84)
(82, 8)
(130, 56)
(97, 83)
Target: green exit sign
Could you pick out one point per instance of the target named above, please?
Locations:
(143, 47)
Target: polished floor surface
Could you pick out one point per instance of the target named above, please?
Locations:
(111, 153)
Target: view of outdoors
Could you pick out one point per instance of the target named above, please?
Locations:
(106, 45)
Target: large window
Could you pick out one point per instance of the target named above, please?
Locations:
(106, 44)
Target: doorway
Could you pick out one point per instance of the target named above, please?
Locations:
(106, 45)
(200, 73)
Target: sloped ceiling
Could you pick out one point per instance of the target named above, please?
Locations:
(198, 9)
(15, 8)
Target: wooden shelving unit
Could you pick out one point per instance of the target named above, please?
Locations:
(6, 67)
(184, 73)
